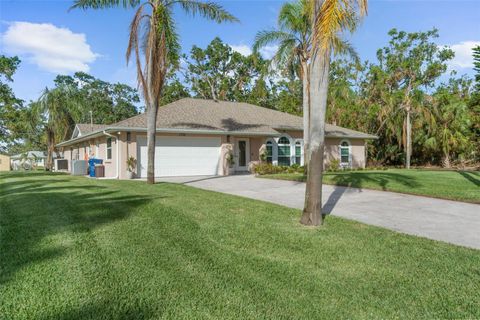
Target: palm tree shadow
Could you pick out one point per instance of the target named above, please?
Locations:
(333, 200)
(360, 179)
(470, 176)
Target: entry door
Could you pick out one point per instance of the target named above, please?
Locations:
(242, 154)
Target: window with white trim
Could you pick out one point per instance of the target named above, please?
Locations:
(345, 153)
(283, 147)
(109, 148)
(298, 152)
(269, 146)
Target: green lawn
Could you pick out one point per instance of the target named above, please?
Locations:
(453, 185)
(77, 248)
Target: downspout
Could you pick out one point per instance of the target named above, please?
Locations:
(117, 158)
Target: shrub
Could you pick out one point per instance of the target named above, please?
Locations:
(333, 165)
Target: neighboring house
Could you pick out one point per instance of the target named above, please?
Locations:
(4, 162)
(28, 160)
(196, 137)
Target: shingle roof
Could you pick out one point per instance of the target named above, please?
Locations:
(86, 128)
(196, 114)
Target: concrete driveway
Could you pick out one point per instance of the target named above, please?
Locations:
(444, 220)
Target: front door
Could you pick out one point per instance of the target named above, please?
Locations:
(242, 154)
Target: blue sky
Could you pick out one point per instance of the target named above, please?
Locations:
(51, 40)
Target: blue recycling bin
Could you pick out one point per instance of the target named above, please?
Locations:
(91, 166)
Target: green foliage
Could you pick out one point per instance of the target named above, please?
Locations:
(131, 164)
(476, 67)
(333, 165)
(109, 102)
(10, 106)
(263, 168)
(220, 73)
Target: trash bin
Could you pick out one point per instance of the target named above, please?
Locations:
(91, 166)
(99, 171)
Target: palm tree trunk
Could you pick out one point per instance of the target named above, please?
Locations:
(409, 140)
(151, 135)
(306, 112)
(50, 149)
(320, 65)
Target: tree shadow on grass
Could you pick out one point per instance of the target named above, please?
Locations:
(470, 176)
(380, 179)
(32, 210)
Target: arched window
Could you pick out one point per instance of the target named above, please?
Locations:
(298, 152)
(283, 151)
(345, 153)
(269, 145)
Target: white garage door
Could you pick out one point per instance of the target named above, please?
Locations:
(181, 156)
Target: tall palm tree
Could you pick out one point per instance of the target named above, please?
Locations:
(293, 37)
(153, 32)
(329, 19)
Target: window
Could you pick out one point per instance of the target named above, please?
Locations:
(269, 151)
(345, 153)
(109, 148)
(283, 151)
(129, 137)
(298, 152)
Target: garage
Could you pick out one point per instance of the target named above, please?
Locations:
(181, 156)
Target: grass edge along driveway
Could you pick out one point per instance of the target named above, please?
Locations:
(78, 248)
(450, 185)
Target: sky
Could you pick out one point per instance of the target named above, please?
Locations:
(51, 40)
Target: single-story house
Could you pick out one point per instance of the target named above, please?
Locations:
(4, 162)
(199, 137)
(28, 160)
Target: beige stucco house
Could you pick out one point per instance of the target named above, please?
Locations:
(196, 137)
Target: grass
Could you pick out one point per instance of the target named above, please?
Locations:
(78, 248)
(452, 185)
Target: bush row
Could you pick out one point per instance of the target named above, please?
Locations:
(268, 168)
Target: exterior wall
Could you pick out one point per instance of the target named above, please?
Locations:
(332, 151)
(98, 148)
(4, 163)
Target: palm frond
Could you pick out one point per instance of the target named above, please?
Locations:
(344, 48)
(209, 10)
(133, 46)
(335, 16)
(266, 37)
(103, 4)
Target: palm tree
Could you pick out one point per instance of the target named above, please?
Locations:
(294, 44)
(58, 107)
(153, 32)
(329, 18)
(294, 39)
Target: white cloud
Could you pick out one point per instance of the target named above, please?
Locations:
(463, 54)
(242, 49)
(51, 48)
(267, 52)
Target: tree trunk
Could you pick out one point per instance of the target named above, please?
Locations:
(409, 140)
(319, 68)
(446, 161)
(306, 113)
(50, 149)
(151, 135)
